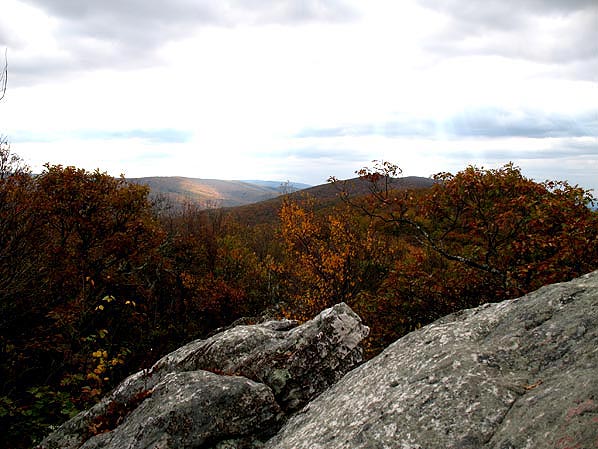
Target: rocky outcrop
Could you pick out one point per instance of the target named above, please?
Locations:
(521, 374)
(514, 375)
(233, 390)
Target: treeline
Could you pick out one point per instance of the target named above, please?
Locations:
(98, 281)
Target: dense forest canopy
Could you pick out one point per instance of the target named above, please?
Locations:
(97, 282)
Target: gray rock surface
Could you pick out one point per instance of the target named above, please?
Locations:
(521, 374)
(231, 390)
(195, 409)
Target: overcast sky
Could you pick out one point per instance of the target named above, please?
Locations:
(302, 90)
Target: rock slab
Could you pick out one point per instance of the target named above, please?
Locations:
(520, 374)
(232, 390)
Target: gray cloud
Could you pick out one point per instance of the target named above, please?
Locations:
(338, 155)
(511, 28)
(151, 135)
(487, 10)
(293, 12)
(166, 135)
(127, 33)
(507, 14)
(484, 123)
(586, 70)
(567, 149)
(495, 122)
(233, 12)
(6, 39)
(405, 128)
(565, 159)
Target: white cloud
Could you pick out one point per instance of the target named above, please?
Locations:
(249, 89)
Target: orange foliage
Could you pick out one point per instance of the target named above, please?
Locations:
(329, 258)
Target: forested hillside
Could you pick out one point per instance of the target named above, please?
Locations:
(96, 282)
(209, 192)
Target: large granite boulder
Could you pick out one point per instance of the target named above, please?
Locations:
(232, 390)
(514, 375)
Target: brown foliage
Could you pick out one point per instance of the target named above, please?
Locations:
(75, 254)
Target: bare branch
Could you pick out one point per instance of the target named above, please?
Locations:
(4, 76)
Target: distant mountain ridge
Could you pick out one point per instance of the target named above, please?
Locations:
(326, 195)
(278, 185)
(252, 196)
(359, 186)
(214, 192)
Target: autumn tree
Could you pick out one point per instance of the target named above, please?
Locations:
(479, 235)
(18, 225)
(331, 257)
(19, 253)
(19, 259)
(223, 268)
(79, 253)
(497, 221)
(102, 242)
(103, 224)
